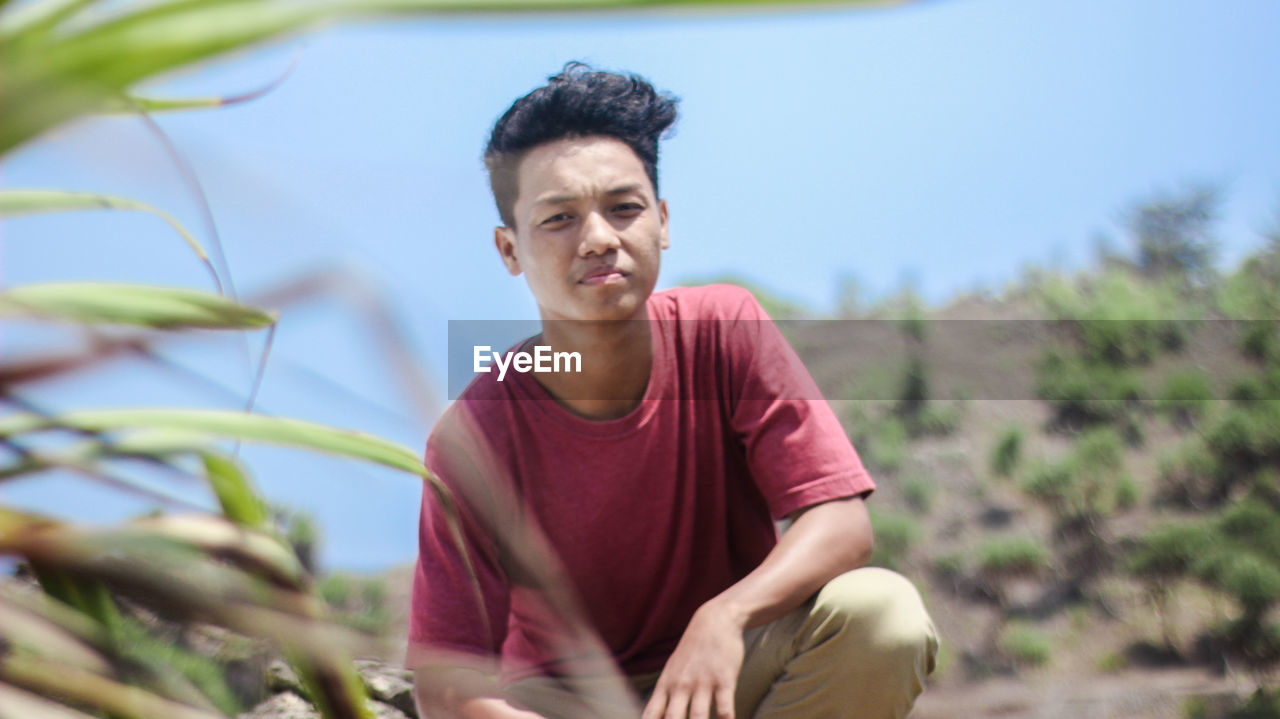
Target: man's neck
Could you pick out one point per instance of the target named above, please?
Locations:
(617, 358)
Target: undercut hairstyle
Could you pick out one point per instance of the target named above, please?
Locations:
(578, 102)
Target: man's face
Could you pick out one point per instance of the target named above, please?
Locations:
(589, 231)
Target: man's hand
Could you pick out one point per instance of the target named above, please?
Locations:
(703, 669)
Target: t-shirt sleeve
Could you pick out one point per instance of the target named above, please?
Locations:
(461, 597)
(796, 449)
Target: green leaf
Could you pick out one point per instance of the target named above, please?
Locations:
(234, 490)
(88, 689)
(38, 18)
(26, 202)
(144, 305)
(239, 425)
(54, 77)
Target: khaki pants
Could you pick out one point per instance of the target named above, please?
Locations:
(861, 649)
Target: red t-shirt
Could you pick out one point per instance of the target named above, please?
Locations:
(651, 514)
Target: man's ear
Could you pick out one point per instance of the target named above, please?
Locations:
(662, 218)
(505, 240)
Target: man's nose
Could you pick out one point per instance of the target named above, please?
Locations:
(598, 236)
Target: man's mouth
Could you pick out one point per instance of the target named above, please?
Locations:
(603, 276)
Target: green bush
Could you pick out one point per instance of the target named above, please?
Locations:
(1258, 341)
(1008, 451)
(918, 492)
(913, 393)
(1243, 440)
(1186, 397)
(1112, 663)
(337, 590)
(936, 420)
(886, 449)
(894, 535)
(1083, 394)
(1117, 321)
(1086, 486)
(358, 603)
(1247, 389)
(1169, 551)
(949, 566)
(1099, 451)
(1127, 493)
(1009, 557)
(1188, 477)
(1026, 645)
(1252, 580)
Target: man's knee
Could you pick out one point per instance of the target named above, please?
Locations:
(882, 615)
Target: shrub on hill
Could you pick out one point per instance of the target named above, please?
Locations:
(1119, 318)
(1026, 645)
(895, 533)
(1186, 396)
(1084, 487)
(1007, 453)
(1244, 440)
(1233, 553)
(918, 493)
(1084, 394)
(1187, 477)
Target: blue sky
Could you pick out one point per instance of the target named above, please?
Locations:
(946, 144)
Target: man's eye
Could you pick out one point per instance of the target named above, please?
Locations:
(628, 207)
(561, 217)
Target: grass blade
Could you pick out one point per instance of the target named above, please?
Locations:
(26, 202)
(18, 704)
(56, 78)
(235, 492)
(237, 425)
(87, 689)
(142, 305)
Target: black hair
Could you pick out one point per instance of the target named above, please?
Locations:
(577, 102)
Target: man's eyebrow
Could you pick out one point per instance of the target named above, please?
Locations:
(557, 199)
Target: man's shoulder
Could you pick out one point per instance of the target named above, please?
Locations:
(715, 301)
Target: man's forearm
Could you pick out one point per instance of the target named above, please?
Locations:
(824, 542)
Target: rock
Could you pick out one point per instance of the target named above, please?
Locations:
(388, 684)
(288, 705)
(282, 678)
(283, 706)
(386, 711)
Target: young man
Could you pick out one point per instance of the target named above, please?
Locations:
(650, 480)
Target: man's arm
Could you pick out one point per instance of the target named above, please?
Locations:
(825, 541)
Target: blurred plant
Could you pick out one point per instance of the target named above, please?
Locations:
(1026, 645)
(1085, 394)
(885, 449)
(1233, 552)
(1082, 491)
(1175, 234)
(918, 493)
(1186, 396)
(1188, 476)
(1244, 441)
(360, 603)
(1008, 451)
(1001, 560)
(895, 533)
